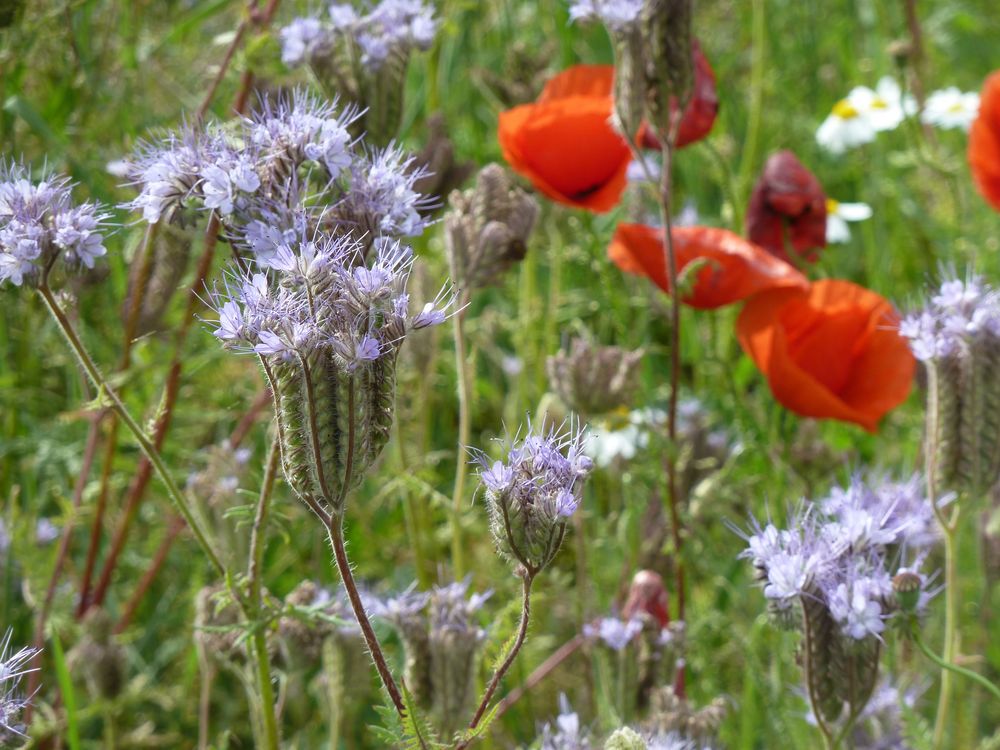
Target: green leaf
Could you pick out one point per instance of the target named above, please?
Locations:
(68, 696)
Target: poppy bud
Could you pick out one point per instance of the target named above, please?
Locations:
(594, 380)
(907, 584)
(666, 26)
(487, 228)
(648, 595)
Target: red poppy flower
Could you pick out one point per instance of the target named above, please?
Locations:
(565, 143)
(702, 108)
(984, 142)
(832, 351)
(787, 205)
(734, 270)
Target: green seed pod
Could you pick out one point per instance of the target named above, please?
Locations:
(384, 97)
(167, 261)
(296, 463)
(906, 586)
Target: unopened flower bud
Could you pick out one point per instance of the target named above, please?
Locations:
(593, 380)
(487, 228)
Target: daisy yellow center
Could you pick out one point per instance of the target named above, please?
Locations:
(845, 110)
(879, 103)
(956, 107)
(832, 206)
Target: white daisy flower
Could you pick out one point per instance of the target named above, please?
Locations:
(837, 216)
(864, 112)
(950, 108)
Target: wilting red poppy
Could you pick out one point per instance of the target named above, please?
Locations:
(984, 142)
(565, 143)
(702, 107)
(832, 351)
(734, 270)
(787, 208)
(648, 595)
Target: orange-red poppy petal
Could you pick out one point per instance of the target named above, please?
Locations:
(579, 80)
(984, 142)
(734, 269)
(830, 352)
(568, 149)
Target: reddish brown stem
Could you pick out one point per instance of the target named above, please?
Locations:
(177, 524)
(173, 531)
(140, 481)
(542, 671)
(138, 291)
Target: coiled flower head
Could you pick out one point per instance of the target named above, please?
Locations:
(532, 494)
(487, 228)
(593, 379)
(830, 574)
(327, 329)
(957, 337)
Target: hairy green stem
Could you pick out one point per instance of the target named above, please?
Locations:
(464, 429)
(104, 389)
(522, 634)
(951, 667)
(255, 609)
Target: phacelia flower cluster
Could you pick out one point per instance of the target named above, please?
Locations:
(442, 639)
(614, 14)
(566, 732)
(327, 328)
(533, 492)
(391, 27)
(830, 573)
(39, 225)
(958, 313)
(282, 169)
(13, 666)
(957, 337)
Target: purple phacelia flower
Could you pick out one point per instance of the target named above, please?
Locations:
(302, 39)
(615, 14)
(958, 312)
(39, 224)
(614, 632)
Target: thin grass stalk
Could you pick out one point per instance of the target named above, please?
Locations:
(464, 430)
